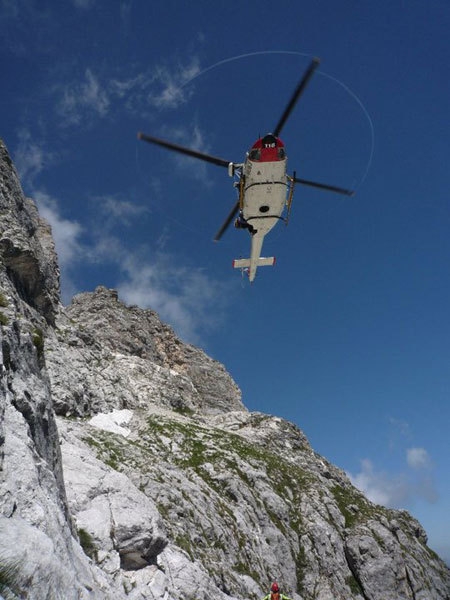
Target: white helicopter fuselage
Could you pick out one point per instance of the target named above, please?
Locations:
(264, 193)
(264, 198)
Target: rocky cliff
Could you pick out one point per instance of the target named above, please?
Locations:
(129, 467)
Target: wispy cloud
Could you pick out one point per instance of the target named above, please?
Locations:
(117, 209)
(399, 433)
(379, 486)
(151, 277)
(418, 458)
(168, 89)
(162, 87)
(83, 99)
(182, 295)
(67, 236)
(192, 137)
(96, 95)
(30, 157)
(66, 233)
(398, 490)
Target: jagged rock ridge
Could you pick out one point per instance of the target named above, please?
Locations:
(131, 469)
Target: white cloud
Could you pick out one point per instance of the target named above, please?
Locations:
(115, 208)
(399, 428)
(379, 487)
(161, 87)
(125, 87)
(191, 137)
(83, 99)
(181, 296)
(399, 433)
(417, 458)
(30, 158)
(96, 96)
(402, 489)
(66, 233)
(169, 84)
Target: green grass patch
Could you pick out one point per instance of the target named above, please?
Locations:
(355, 507)
(87, 543)
(38, 341)
(108, 449)
(9, 579)
(353, 584)
(301, 567)
(244, 569)
(199, 445)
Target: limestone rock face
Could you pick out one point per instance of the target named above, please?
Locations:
(39, 549)
(107, 355)
(27, 250)
(130, 469)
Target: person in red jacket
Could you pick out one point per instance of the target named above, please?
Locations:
(275, 593)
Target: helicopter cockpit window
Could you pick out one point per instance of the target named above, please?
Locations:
(269, 141)
(255, 154)
(281, 153)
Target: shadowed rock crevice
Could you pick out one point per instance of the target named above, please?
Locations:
(354, 573)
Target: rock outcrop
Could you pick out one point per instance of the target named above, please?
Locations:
(129, 467)
(120, 357)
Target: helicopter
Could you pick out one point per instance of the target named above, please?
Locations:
(265, 190)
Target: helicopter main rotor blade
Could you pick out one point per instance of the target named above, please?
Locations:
(296, 95)
(227, 222)
(324, 186)
(221, 162)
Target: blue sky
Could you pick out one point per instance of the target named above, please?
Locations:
(348, 335)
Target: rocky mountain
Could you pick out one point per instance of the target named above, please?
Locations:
(130, 468)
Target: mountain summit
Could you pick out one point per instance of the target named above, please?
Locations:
(130, 468)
